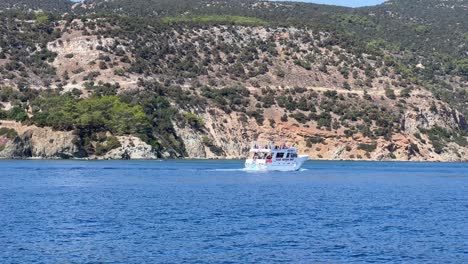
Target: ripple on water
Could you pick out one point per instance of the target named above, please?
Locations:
(216, 212)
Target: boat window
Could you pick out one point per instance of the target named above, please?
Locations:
(287, 156)
(279, 155)
(294, 155)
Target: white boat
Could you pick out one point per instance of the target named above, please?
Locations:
(271, 157)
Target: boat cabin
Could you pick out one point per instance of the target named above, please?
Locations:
(272, 152)
(272, 157)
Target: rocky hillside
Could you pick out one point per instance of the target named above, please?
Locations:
(84, 85)
(58, 6)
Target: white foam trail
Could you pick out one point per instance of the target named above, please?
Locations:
(255, 171)
(229, 169)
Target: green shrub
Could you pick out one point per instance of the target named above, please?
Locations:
(103, 89)
(8, 133)
(346, 85)
(405, 93)
(304, 64)
(461, 140)
(17, 114)
(331, 94)
(284, 118)
(438, 146)
(417, 135)
(119, 72)
(414, 147)
(272, 122)
(280, 73)
(113, 143)
(324, 120)
(209, 143)
(310, 141)
(258, 115)
(102, 65)
(433, 108)
(228, 98)
(368, 147)
(217, 19)
(194, 121)
(349, 132)
(390, 94)
(300, 117)
(91, 115)
(41, 18)
(110, 144)
(8, 94)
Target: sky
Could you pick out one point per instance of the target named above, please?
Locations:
(351, 3)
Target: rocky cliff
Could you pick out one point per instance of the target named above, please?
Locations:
(35, 142)
(32, 142)
(232, 137)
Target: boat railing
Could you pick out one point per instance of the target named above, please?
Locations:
(270, 146)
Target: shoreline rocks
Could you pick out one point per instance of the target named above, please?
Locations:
(38, 143)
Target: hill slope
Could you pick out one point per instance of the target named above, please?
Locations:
(46, 5)
(206, 83)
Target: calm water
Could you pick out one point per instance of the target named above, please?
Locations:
(210, 212)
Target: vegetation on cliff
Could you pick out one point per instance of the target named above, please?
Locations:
(157, 68)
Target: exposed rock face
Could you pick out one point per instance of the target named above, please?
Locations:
(132, 148)
(193, 143)
(36, 142)
(234, 136)
(45, 143)
(18, 148)
(84, 49)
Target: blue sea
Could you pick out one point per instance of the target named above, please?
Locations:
(214, 212)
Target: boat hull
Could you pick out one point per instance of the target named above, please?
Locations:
(275, 165)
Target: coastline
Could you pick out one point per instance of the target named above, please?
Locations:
(227, 159)
(36, 143)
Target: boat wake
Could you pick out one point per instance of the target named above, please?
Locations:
(242, 169)
(253, 171)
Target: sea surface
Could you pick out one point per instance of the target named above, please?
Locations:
(214, 212)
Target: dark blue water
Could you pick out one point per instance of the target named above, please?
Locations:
(209, 212)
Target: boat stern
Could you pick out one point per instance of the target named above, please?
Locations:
(251, 164)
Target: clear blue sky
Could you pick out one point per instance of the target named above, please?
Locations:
(352, 3)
